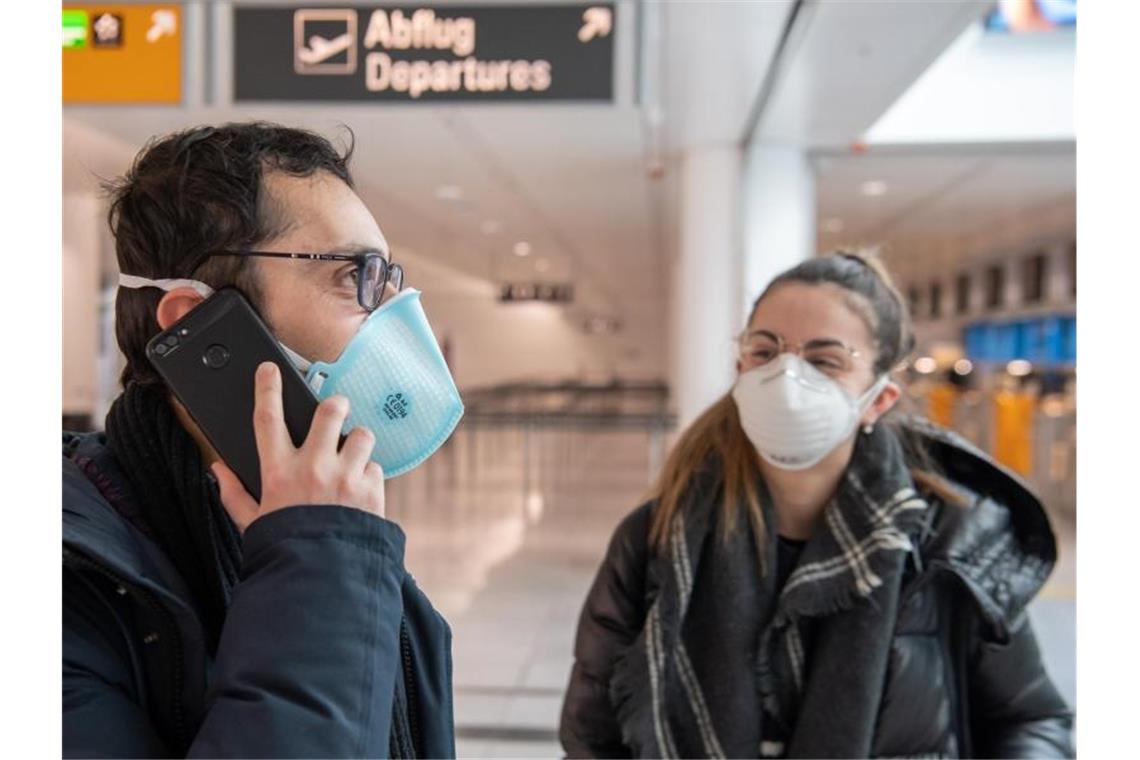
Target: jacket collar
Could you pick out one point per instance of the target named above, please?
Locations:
(96, 532)
(1000, 542)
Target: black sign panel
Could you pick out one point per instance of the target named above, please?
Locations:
(550, 293)
(424, 53)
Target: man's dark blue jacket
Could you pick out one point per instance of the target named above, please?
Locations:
(328, 648)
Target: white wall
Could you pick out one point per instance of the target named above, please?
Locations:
(82, 244)
(493, 342)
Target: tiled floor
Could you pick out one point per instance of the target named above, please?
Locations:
(508, 560)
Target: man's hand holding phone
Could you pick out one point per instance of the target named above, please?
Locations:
(315, 473)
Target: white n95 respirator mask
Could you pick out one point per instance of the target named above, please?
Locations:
(794, 414)
(392, 372)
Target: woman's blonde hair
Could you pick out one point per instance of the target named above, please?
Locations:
(717, 436)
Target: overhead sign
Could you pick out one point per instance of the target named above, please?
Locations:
(122, 54)
(549, 293)
(424, 53)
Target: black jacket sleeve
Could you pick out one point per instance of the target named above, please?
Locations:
(611, 619)
(1015, 710)
(310, 650)
(307, 660)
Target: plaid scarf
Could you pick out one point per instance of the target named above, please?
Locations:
(818, 646)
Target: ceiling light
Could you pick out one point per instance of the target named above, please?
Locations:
(834, 224)
(925, 365)
(522, 249)
(449, 192)
(963, 366)
(491, 226)
(1019, 368)
(873, 188)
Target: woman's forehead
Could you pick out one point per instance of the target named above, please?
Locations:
(800, 312)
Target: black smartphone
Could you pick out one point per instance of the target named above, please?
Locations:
(208, 360)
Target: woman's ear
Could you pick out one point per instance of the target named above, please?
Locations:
(886, 399)
(175, 305)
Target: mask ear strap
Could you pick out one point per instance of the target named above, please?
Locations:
(301, 363)
(873, 392)
(135, 282)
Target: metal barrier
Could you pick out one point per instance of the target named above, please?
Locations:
(552, 422)
(541, 430)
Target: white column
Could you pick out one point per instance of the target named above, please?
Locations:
(706, 280)
(779, 217)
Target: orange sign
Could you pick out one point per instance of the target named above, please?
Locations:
(122, 54)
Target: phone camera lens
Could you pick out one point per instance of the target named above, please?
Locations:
(216, 356)
(160, 349)
(171, 340)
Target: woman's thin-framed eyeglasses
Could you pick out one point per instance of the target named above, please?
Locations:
(374, 272)
(831, 355)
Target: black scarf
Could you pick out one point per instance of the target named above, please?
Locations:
(818, 649)
(176, 500)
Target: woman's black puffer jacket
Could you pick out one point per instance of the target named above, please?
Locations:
(965, 676)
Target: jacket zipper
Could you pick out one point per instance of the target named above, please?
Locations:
(410, 688)
(80, 560)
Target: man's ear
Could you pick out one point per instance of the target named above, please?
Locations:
(175, 305)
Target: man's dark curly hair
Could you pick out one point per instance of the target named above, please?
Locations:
(195, 192)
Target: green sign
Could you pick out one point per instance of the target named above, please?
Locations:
(74, 29)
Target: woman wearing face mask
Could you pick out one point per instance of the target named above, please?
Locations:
(811, 580)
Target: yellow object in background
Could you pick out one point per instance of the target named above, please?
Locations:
(940, 404)
(122, 53)
(1013, 430)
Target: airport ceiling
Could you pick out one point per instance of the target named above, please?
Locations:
(960, 202)
(462, 185)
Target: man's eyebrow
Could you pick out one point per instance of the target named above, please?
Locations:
(360, 248)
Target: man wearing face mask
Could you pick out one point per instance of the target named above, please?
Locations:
(198, 621)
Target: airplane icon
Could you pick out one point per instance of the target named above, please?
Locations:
(321, 49)
(313, 51)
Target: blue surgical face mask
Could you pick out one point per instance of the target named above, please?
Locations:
(392, 373)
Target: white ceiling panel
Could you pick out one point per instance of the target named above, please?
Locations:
(848, 61)
(954, 201)
(716, 54)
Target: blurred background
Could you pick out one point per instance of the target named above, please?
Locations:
(590, 198)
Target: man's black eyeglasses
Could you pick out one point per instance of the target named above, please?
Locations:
(374, 273)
